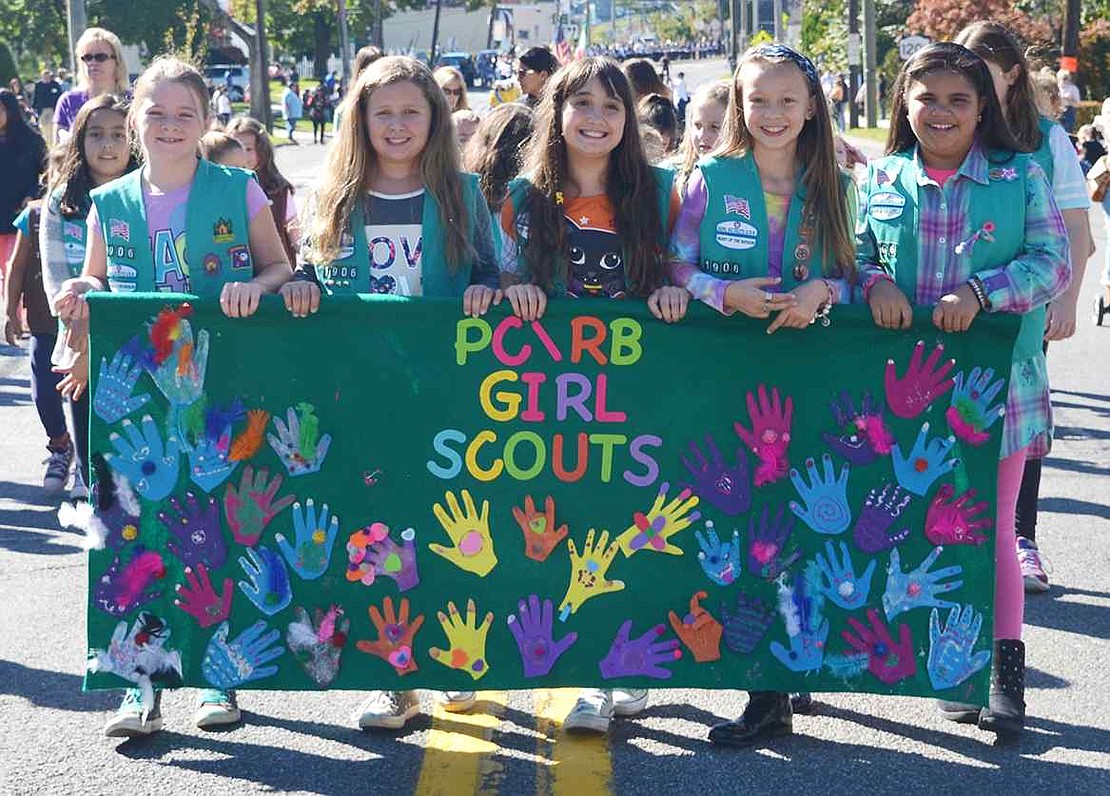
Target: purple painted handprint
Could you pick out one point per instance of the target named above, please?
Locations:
(115, 522)
(911, 395)
(531, 627)
(767, 554)
(862, 435)
(880, 510)
(727, 489)
(195, 528)
(128, 584)
(643, 657)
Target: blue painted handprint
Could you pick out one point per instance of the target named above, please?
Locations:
(951, 660)
(925, 464)
(807, 629)
(209, 463)
(180, 376)
(919, 587)
(826, 500)
(143, 460)
(842, 586)
(971, 413)
(113, 400)
(726, 488)
(269, 587)
(720, 562)
(227, 665)
(298, 442)
(314, 537)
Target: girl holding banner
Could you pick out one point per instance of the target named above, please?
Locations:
(931, 235)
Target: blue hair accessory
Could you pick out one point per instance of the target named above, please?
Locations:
(802, 62)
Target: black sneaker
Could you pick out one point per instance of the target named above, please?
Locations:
(768, 715)
(801, 703)
(57, 469)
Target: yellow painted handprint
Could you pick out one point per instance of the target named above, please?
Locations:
(587, 572)
(471, 545)
(654, 530)
(467, 639)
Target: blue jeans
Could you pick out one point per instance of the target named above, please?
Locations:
(290, 125)
(48, 401)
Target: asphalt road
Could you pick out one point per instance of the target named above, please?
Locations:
(306, 743)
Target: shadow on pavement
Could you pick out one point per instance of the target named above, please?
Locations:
(1081, 618)
(1072, 506)
(1090, 468)
(55, 690)
(24, 540)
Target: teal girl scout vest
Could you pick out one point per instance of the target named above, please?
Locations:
(349, 273)
(74, 232)
(734, 238)
(217, 231)
(892, 217)
(664, 184)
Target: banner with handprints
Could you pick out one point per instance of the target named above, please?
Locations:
(391, 495)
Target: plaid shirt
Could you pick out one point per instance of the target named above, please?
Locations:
(1038, 275)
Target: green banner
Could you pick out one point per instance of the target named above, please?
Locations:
(390, 495)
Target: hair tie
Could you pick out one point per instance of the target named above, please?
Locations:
(801, 61)
(559, 198)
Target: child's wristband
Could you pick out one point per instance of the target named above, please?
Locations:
(872, 280)
(980, 293)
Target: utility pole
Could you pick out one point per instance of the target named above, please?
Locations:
(344, 44)
(435, 36)
(853, 62)
(734, 33)
(777, 6)
(77, 20)
(870, 75)
(489, 31)
(1069, 50)
(260, 73)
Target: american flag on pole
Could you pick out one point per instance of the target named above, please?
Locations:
(738, 205)
(583, 40)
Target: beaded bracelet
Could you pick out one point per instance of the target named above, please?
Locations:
(977, 290)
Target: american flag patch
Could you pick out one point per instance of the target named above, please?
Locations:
(119, 229)
(738, 205)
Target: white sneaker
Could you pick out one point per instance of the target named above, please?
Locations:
(387, 710)
(629, 701)
(78, 491)
(591, 713)
(216, 708)
(128, 721)
(458, 701)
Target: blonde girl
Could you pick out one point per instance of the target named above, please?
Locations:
(102, 70)
(704, 117)
(453, 85)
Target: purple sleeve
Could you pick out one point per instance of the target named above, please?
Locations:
(685, 250)
(256, 199)
(68, 106)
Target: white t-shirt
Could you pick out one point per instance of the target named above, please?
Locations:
(1069, 186)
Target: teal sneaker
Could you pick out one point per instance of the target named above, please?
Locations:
(216, 708)
(129, 722)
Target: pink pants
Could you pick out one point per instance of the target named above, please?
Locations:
(1009, 587)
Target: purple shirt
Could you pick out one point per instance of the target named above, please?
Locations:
(65, 112)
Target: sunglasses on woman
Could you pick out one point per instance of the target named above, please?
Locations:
(454, 92)
(100, 58)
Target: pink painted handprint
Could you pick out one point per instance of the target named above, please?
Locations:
(769, 436)
(911, 395)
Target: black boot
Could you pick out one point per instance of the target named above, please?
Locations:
(1005, 715)
(768, 715)
(801, 703)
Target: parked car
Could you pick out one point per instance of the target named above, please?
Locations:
(240, 79)
(464, 63)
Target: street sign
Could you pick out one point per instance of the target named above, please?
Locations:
(855, 49)
(908, 45)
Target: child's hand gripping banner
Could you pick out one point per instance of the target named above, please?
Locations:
(388, 495)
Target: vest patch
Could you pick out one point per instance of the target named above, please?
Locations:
(222, 231)
(119, 229)
(723, 267)
(737, 235)
(240, 257)
(888, 252)
(739, 206)
(210, 263)
(125, 273)
(123, 252)
(886, 205)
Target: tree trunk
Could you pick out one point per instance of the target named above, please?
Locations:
(322, 29)
(260, 86)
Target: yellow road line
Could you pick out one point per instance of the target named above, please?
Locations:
(580, 764)
(459, 756)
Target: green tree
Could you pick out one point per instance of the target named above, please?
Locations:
(35, 27)
(7, 64)
(825, 33)
(168, 25)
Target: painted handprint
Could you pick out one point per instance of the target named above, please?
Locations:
(532, 627)
(728, 489)
(467, 640)
(862, 435)
(140, 656)
(130, 581)
(807, 629)
(250, 508)
(194, 528)
(918, 588)
(372, 553)
(540, 534)
(748, 624)
(396, 636)
(313, 536)
(890, 663)
(113, 400)
(209, 455)
(317, 642)
(769, 436)
(970, 413)
(298, 443)
(269, 588)
(115, 523)
(719, 561)
(926, 462)
(956, 522)
(653, 531)
(245, 659)
(842, 585)
(826, 508)
(179, 364)
(951, 656)
(471, 544)
(911, 395)
(698, 630)
(588, 572)
(200, 600)
(143, 460)
(767, 553)
(643, 657)
(873, 533)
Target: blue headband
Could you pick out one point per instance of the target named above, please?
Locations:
(782, 51)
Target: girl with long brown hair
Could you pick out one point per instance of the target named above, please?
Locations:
(260, 159)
